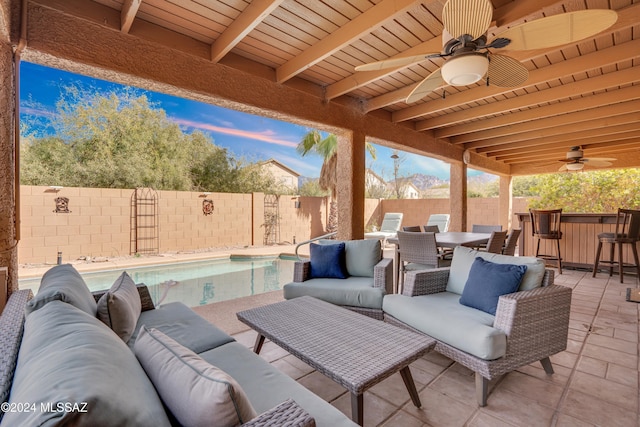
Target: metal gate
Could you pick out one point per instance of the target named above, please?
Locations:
(271, 219)
(144, 229)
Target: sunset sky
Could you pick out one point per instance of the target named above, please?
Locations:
(253, 137)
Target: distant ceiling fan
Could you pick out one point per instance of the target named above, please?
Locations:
(465, 41)
(575, 160)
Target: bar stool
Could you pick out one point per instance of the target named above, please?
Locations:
(627, 233)
(545, 224)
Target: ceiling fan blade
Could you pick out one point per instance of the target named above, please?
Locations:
(560, 29)
(471, 17)
(505, 71)
(429, 84)
(395, 62)
(563, 168)
(604, 159)
(597, 162)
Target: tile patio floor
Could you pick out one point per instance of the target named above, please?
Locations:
(595, 381)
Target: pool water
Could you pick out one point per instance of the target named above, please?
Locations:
(198, 282)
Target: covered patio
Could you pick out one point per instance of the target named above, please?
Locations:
(294, 60)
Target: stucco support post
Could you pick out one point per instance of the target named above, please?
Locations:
(8, 244)
(458, 197)
(350, 189)
(506, 201)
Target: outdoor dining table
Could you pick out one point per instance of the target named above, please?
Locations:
(448, 239)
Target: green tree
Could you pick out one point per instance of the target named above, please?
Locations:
(593, 191)
(327, 148)
(311, 188)
(121, 140)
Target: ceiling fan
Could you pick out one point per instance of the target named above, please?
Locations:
(575, 160)
(468, 51)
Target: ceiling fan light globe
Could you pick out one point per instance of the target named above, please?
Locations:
(464, 70)
(574, 166)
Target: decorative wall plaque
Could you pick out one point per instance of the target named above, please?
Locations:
(207, 207)
(62, 205)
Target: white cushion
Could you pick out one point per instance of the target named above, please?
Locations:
(196, 392)
(463, 258)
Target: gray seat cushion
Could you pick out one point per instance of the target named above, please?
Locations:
(266, 386)
(68, 356)
(442, 317)
(183, 325)
(353, 291)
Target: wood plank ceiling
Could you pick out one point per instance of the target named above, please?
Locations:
(585, 93)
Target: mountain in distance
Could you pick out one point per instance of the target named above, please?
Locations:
(424, 182)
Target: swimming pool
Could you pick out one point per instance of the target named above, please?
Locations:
(199, 282)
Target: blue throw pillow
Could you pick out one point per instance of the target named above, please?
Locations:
(487, 281)
(328, 261)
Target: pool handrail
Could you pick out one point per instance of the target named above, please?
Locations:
(306, 242)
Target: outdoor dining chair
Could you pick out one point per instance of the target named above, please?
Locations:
(627, 233)
(509, 247)
(479, 228)
(419, 251)
(496, 242)
(431, 229)
(412, 228)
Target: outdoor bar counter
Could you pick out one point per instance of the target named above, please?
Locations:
(579, 238)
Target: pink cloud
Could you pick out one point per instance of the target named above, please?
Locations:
(37, 112)
(265, 136)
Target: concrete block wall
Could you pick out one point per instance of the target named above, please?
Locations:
(98, 224)
(305, 222)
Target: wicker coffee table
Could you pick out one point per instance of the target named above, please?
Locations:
(354, 350)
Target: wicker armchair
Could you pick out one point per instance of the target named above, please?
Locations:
(382, 279)
(536, 324)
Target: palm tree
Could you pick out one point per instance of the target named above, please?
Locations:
(327, 147)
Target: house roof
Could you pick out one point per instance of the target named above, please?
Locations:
(281, 166)
(295, 59)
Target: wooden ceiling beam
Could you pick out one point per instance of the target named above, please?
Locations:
(631, 158)
(626, 19)
(128, 14)
(566, 107)
(560, 149)
(540, 143)
(608, 149)
(597, 113)
(250, 18)
(569, 90)
(503, 15)
(600, 125)
(364, 23)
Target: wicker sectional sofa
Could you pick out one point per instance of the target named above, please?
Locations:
(529, 325)
(59, 356)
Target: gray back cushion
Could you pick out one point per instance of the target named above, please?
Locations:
(69, 356)
(63, 283)
(361, 255)
(120, 307)
(463, 259)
